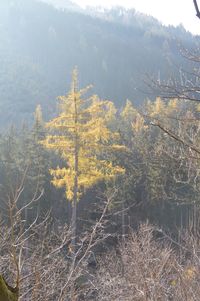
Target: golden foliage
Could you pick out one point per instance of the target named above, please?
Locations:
(80, 133)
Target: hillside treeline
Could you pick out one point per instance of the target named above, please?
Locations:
(40, 45)
(161, 179)
(109, 261)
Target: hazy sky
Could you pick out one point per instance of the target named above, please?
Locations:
(167, 11)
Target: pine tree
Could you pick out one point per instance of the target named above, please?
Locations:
(82, 138)
(37, 154)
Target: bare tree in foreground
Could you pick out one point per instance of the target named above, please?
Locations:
(36, 258)
(150, 267)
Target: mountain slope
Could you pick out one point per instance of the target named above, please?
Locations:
(40, 45)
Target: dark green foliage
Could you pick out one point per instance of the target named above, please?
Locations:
(22, 156)
(39, 46)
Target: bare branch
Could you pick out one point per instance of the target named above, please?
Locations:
(177, 138)
(196, 8)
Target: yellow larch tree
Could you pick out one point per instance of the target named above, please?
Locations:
(81, 136)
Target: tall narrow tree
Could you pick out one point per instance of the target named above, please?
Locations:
(84, 141)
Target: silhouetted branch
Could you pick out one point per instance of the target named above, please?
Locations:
(173, 88)
(177, 138)
(197, 9)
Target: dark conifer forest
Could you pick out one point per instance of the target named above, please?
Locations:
(40, 46)
(99, 155)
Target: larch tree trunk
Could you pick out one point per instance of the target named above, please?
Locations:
(76, 151)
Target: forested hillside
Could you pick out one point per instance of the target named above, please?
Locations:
(99, 155)
(40, 45)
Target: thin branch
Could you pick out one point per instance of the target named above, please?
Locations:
(90, 244)
(177, 138)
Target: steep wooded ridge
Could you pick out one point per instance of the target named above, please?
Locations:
(40, 45)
